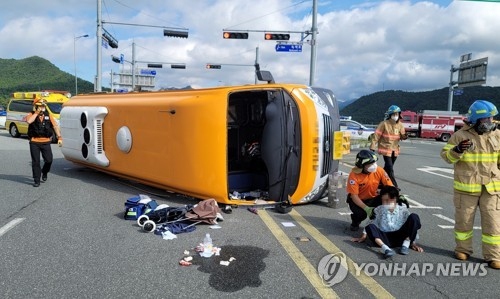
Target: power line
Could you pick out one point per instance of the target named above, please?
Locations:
(268, 13)
(147, 15)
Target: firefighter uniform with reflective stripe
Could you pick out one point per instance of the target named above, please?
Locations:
(387, 135)
(476, 183)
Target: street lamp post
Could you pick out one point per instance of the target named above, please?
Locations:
(74, 59)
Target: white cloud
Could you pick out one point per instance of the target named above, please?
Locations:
(364, 47)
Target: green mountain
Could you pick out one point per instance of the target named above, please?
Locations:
(370, 109)
(35, 73)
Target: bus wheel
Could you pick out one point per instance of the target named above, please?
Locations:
(14, 132)
(445, 137)
(283, 207)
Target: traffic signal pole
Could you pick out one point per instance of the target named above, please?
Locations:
(167, 31)
(97, 85)
(314, 31)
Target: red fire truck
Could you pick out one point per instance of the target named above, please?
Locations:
(432, 123)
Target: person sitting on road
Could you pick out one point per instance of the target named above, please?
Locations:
(362, 185)
(392, 224)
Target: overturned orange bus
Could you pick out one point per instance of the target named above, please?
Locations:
(272, 142)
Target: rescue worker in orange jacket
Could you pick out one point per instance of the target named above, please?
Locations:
(362, 186)
(41, 127)
(386, 139)
(474, 151)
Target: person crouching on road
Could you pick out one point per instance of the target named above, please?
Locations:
(474, 151)
(40, 130)
(392, 225)
(386, 138)
(362, 185)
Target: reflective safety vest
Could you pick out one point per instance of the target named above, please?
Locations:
(479, 165)
(387, 136)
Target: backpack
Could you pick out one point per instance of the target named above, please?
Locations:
(137, 206)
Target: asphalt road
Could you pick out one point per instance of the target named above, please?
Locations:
(68, 239)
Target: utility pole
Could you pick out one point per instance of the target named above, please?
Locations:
(133, 66)
(112, 42)
(97, 86)
(256, 61)
(314, 31)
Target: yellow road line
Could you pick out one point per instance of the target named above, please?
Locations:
(300, 260)
(371, 285)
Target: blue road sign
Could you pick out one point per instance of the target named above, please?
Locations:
(148, 72)
(288, 48)
(458, 92)
(122, 57)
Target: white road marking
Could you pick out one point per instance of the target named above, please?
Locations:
(435, 170)
(451, 221)
(416, 205)
(10, 225)
(345, 213)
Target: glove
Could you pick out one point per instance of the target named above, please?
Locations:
(462, 146)
(59, 142)
(404, 136)
(368, 210)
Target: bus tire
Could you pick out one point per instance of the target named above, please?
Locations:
(14, 132)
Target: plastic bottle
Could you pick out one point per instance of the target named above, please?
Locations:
(207, 246)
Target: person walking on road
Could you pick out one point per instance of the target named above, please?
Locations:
(386, 139)
(392, 225)
(362, 186)
(474, 151)
(41, 127)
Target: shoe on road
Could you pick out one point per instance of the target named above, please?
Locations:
(461, 256)
(388, 253)
(494, 264)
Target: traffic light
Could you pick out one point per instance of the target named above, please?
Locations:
(112, 42)
(115, 59)
(214, 66)
(178, 66)
(175, 33)
(155, 65)
(235, 35)
(277, 36)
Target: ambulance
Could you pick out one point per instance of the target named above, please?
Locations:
(21, 104)
(269, 144)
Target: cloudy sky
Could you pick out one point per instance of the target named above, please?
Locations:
(362, 46)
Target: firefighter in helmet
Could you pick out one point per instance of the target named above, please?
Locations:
(386, 139)
(362, 186)
(41, 127)
(474, 151)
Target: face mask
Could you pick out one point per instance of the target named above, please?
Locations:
(389, 206)
(485, 127)
(43, 109)
(395, 117)
(372, 168)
